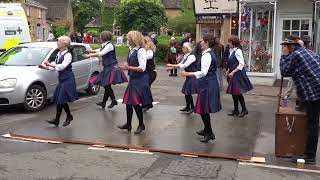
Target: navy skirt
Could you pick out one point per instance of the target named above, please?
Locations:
(239, 83)
(66, 91)
(138, 92)
(189, 86)
(110, 75)
(208, 100)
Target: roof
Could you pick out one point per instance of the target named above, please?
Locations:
(168, 4)
(94, 23)
(35, 3)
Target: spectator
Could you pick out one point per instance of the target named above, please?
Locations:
(218, 49)
(172, 52)
(304, 68)
(87, 38)
(50, 36)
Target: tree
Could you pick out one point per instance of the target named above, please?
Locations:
(185, 21)
(141, 15)
(84, 11)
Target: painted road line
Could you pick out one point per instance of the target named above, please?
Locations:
(279, 167)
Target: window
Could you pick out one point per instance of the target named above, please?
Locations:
(77, 53)
(210, 29)
(39, 13)
(257, 24)
(296, 27)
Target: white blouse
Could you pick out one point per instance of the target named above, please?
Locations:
(205, 64)
(149, 54)
(66, 61)
(189, 61)
(142, 57)
(239, 56)
(107, 48)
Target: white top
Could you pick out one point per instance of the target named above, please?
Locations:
(239, 57)
(149, 54)
(50, 36)
(205, 64)
(66, 61)
(107, 48)
(191, 59)
(142, 57)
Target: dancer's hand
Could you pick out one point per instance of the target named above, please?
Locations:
(41, 66)
(184, 73)
(230, 75)
(86, 56)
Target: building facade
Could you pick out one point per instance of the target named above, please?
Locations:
(264, 24)
(37, 19)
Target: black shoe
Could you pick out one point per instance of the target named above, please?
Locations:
(54, 121)
(208, 137)
(125, 126)
(140, 129)
(243, 113)
(185, 109)
(68, 120)
(234, 113)
(113, 104)
(170, 74)
(190, 111)
(102, 104)
(145, 109)
(308, 160)
(201, 133)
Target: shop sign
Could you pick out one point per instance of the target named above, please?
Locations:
(212, 7)
(209, 19)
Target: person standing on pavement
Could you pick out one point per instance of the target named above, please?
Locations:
(66, 89)
(50, 36)
(189, 64)
(138, 91)
(239, 82)
(151, 66)
(303, 66)
(219, 51)
(110, 74)
(172, 52)
(208, 100)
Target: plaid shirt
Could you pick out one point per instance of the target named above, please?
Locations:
(303, 66)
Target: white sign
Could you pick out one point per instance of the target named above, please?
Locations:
(119, 41)
(215, 6)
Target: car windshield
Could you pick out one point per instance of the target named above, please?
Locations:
(24, 56)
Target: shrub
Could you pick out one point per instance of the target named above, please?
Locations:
(59, 30)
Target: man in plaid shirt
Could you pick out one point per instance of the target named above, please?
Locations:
(303, 66)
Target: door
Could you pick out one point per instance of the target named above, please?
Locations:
(293, 26)
(81, 66)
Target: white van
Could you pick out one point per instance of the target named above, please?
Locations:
(14, 28)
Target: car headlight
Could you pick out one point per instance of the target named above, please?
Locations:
(8, 83)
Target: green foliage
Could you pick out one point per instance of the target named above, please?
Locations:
(185, 21)
(141, 15)
(107, 17)
(59, 30)
(84, 11)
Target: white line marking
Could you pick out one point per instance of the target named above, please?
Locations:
(279, 167)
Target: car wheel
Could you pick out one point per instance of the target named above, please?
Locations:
(35, 98)
(93, 89)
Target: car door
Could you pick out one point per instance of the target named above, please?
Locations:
(80, 66)
(51, 77)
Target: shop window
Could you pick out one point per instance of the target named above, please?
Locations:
(207, 29)
(257, 22)
(234, 25)
(296, 27)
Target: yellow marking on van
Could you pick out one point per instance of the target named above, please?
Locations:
(10, 42)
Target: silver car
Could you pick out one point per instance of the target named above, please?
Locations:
(22, 82)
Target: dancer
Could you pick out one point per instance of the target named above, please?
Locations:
(208, 100)
(66, 89)
(189, 64)
(151, 67)
(239, 82)
(138, 92)
(110, 74)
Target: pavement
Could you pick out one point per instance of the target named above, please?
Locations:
(167, 129)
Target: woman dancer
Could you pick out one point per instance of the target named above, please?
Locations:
(189, 64)
(110, 75)
(208, 100)
(138, 92)
(66, 89)
(239, 82)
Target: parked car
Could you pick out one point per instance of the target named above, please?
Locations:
(23, 82)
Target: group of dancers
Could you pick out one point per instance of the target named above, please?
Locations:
(199, 66)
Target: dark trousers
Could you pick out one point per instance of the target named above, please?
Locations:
(138, 109)
(173, 71)
(236, 100)
(312, 109)
(108, 92)
(189, 101)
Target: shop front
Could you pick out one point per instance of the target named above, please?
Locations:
(264, 24)
(218, 17)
